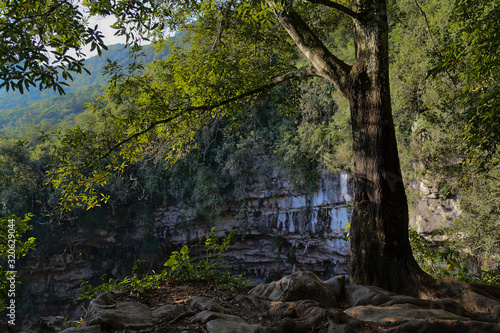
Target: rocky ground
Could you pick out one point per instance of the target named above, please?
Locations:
(299, 303)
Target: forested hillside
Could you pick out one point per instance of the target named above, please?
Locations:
(435, 134)
(47, 108)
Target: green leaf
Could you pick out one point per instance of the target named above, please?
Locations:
(185, 250)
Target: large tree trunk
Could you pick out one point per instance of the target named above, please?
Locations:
(380, 249)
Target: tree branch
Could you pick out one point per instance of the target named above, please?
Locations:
(434, 43)
(180, 112)
(337, 6)
(326, 64)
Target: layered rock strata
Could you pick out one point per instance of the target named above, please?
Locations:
(279, 231)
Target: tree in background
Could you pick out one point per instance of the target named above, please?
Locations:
(471, 58)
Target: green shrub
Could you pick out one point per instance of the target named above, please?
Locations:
(211, 268)
(441, 260)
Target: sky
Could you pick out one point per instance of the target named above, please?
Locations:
(104, 24)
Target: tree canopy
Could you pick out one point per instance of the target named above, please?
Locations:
(471, 56)
(41, 43)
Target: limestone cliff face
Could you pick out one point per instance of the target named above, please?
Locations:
(432, 211)
(279, 230)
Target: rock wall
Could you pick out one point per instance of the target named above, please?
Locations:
(432, 211)
(279, 230)
(282, 231)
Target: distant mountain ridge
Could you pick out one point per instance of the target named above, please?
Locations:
(48, 108)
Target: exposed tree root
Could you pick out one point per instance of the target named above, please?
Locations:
(478, 302)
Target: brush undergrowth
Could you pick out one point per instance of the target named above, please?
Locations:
(212, 268)
(443, 261)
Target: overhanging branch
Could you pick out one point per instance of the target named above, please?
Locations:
(180, 112)
(336, 6)
(16, 20)
(325, 62)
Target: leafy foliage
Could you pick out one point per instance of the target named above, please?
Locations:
(321, 139)
(424, 106)
(476, 229)
(211, 267)
(21, 177)
(233, 155)
(472, 57)
(220, 67)
(146, 115)
(179, 260)
(437, 69)
(12, 248)
(37, 41)
(441, 260)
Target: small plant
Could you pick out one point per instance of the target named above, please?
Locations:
(214, 250)
(212, 267)
(179, 261)
(347, 228)
(489, 276)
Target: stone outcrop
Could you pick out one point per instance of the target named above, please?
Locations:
(400, 312)
(432, 211)
(112, 315)
(298, 286)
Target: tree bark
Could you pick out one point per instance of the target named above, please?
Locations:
(380, 249)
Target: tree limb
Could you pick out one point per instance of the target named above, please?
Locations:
(337, 6)
(222, 23)
(180, 112)
(326, 64)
